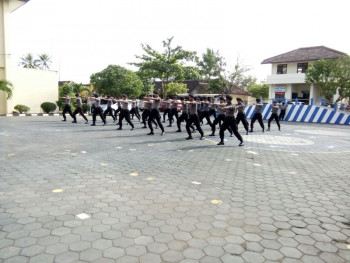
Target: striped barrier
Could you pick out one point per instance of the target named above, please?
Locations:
(305, 113)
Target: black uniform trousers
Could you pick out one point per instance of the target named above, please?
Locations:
(98, 111)
(183, 117)
(230, 122)
(205, 114)
(166, 111)
(81, 112)
(220, 118)
(212, 112)
(274, 116)
(282, 114)
(257, 116)
(116, 112)
(110, 111)
(67, 108)
(125, 114)
(241, 118)
(173, 112)
(195, 120)
(135, 111)
(155, 116)
(145, 115)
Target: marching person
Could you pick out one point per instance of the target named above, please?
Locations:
(109, 109)
(220, 118)
(154, 115)
(67, 107)
(125, 113)
(241, 115)
(173, 111)
(119, 108)
(229, 122)
(204, 113)
(283, 111)
(257, 116)
(212, 108)
(134, 109)
(167, 108)
(274, 115)
(147, 104)
(183, 116)
(97, 110)
(193, 118)
(79, 109)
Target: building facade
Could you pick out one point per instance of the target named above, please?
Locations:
(31, 86)
(287, 79)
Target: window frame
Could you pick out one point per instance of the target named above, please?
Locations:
(303, 67)
(282, 68)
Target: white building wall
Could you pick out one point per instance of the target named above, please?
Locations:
(33, 87)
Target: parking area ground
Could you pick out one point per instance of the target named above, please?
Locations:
(76, 193)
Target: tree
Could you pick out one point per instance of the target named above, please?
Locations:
(116, 80)
(211, 67)
(259, 90)
(343, 78)
(44, 61)
(166, 65)
(27, 61)
(238, 77)
(80, 89)
(7, 87)
(191, 73)
(174, 88)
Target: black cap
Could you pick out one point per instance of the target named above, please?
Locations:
(221, 98)
(274, 101)
(96, 95)
(239, 99)
(155, 92)
(124, 96)
(228, 97)
(257, 100)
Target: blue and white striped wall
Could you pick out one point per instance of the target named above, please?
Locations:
(305, 113)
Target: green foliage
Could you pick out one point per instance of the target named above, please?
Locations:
(324, 74)
(175, 88)
(86, 107)
(343, 77)
(191, 73)
(259, 90)
(116, 80)
(65, 88)
(7, 87)
(238, 77)
(22, 108)
(211, 65)
(164, 65)
(48, 107)
(217, 85)
(43, 62)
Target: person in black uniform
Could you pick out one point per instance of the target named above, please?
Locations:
(220, 117)
(212, 108)
(134, 109)
(97, 110)
(109, 109)
(167, 108)
(229, 122)
(257, 116)
(125, 113)
(173, 111)
(193, 118)
(204, 113)
(67, 107)
(79, 109)
(118, 110)
(283, 111)
(241, 115)
(147, 104)
(183, 116)
(274, 115)
(154, 115)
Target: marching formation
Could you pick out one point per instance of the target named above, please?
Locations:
(227, 115)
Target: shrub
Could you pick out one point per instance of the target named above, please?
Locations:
(86, 107)
(22, 108)
(47, 107)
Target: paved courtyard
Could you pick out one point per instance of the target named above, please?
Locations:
(76, 193)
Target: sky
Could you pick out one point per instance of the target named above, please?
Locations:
(85, 36)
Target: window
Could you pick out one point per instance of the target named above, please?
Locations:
(282, 69)
(302, 67)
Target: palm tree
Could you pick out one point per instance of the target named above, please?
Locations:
(43, 62)
(80, 89)
(7, 87)
(27, 61)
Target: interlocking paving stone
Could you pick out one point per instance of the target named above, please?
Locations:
(286, 203)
